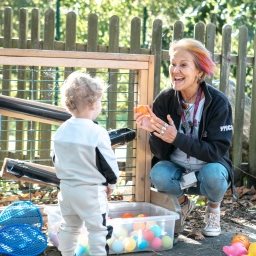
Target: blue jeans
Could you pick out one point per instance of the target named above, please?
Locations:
(212, 180)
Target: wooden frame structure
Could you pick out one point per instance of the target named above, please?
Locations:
(143, 64)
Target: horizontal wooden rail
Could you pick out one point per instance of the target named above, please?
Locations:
(53, 58)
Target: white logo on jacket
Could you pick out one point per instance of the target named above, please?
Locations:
(225, 128)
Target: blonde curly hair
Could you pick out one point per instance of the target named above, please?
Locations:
(80, 89)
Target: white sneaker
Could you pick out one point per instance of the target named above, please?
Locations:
(212, 226)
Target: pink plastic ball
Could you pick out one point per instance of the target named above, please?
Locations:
(156, 243)
(148, 235)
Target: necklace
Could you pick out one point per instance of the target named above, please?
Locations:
(186, 123)
(190, 99)
(186, 102)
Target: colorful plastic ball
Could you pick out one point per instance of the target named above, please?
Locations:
(156, 230)
(252, 249)
(167, 242)
(138, 225)
(142, 244)
(127, 215)
(129, 244)
(148, 235)
(156, 243)
(141, 215)
(81, 250)
(117, 246)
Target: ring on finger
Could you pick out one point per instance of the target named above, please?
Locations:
(162, 132)
(165, 125)
(163, 128)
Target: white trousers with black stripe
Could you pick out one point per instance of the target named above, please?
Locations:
(80, 205)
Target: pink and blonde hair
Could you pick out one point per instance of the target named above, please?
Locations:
(202, 57)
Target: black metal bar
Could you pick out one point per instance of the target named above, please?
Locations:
(22, 169)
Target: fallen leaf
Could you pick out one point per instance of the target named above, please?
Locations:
(196, 234)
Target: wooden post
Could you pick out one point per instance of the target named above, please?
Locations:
(252, 138)
(178, 30)
(5, 90)
(156, 50)
(225, 59)
(199, 32)
(92, 41)
(239, 104)
(21, 126)
(33, 83)
(46, 88)
(210, 38)
(112, 90)
(132, 89)
(70, 43)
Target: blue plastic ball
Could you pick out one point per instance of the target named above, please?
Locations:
(156, 230)
(117, 246)
(143, 244)
(81, 250)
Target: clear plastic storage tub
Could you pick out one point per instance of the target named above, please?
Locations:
(137, 227)
(140, 226)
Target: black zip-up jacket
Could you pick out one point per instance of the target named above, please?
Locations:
(215, 129)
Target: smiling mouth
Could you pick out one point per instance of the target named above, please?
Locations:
(179, 79)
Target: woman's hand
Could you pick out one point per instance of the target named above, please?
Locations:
(151, 123)
(143, 118)
(164, 131)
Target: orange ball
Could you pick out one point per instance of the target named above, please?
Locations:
(241, 238)
(127, 215)
(142, 109)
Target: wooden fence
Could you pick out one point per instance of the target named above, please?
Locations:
(224, 56)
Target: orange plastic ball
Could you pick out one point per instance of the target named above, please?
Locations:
(127, 215)
(241, 238)
(142, 109)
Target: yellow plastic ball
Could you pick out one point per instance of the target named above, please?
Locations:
(129, 244)
(252, 249)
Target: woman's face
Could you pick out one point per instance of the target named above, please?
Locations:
(183, 72)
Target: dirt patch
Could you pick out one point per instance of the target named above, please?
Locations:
(237, 216)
